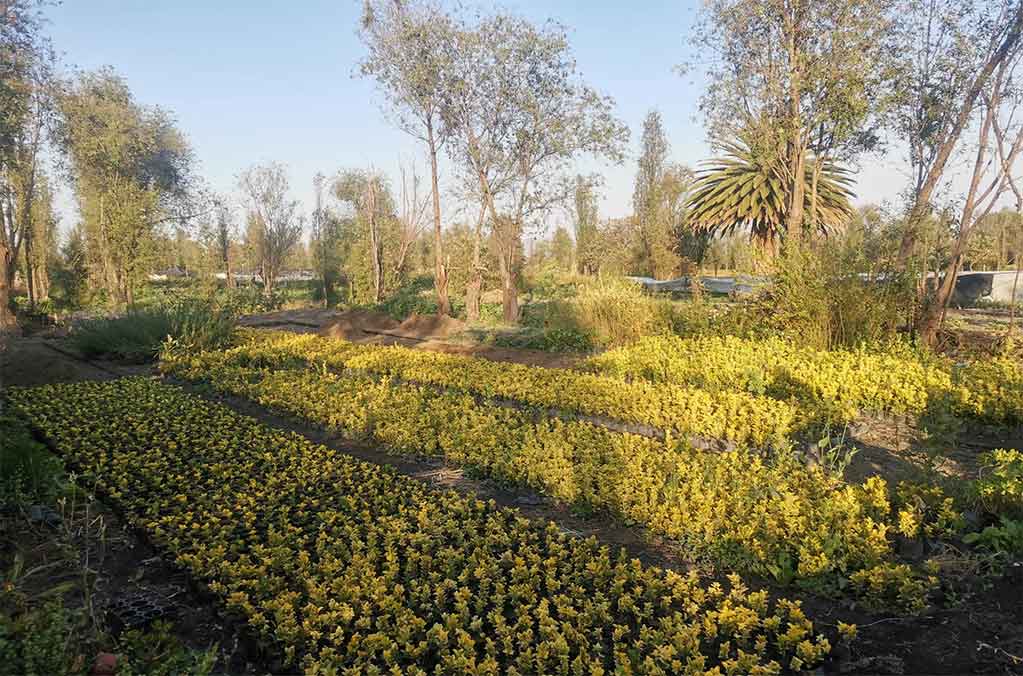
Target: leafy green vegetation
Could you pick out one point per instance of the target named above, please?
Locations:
(191, 323)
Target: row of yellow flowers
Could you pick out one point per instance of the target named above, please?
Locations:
(350, 568)
(739, 417)
(834, 384)
(773, 516)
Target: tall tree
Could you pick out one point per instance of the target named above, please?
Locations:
(24, 61)
(518, 83)
(653, 220)
(273, 217)
(950, 51)
(369, 197)
(587, 225)
(225, 235)
(995, 159)
(132, 173)
(806, 75)
(407, 57)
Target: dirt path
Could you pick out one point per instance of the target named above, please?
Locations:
(374, 329)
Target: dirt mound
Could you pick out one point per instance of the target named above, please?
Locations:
(354, 324)
(429, 326)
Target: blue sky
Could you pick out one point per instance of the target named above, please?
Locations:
(254, 81)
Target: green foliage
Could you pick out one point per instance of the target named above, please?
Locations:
(1005, 538)
(29, 473)
(194, 324)
(894, 586)
(611, 311)
(999, 489)
(749, 189)
(34, 640)
(158, 652)
(832, 297)
(414, 296)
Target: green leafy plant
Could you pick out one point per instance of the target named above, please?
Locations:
(999, 489)
(1006, 537)
(893, 586)
(29, 473)
(193, 322)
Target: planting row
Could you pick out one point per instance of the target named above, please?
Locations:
(350, 568)
(836, 384)
(772, 516)
(735, 416)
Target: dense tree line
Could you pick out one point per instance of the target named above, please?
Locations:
(799, 93)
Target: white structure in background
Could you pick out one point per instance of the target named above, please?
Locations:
(739, 286)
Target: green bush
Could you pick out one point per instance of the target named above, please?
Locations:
(193, 323)
(833, 297)
(612, 311)
(29, 473)
(999, 490)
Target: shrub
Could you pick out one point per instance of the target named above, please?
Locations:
(613, 311)
(999, 489)
(29, 474)
(834, 385)
(831, 297)
(194, 324)
(894, 586)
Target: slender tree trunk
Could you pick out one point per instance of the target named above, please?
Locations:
(475, 286)
(509, 282)
(7, 319)
(374, 240)
(440, 273)
(922, 201)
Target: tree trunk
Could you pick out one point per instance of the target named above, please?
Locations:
(7, 319)
(509, 285)
(922, 200)
(440, 273)
(797, 196)
(475, 285)
(374, 242)
(228, 271)
(42, 283)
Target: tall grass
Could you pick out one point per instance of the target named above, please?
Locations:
(611, 311)
(194, 324)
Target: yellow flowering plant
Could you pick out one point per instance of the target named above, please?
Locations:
(348, 567)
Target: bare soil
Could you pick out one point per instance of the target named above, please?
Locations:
(420, 332)
(980, 630)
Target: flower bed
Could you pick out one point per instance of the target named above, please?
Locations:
(739, 417)
(834, 385)
(348, 567)
(772, 516)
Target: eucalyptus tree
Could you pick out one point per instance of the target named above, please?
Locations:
(273, 219)
(993, 174)
(408, 57)
(808, 76)
(24, 110)
(587, 225)
(950, 50)
(369, 197)
(132, 171)
(523, 113)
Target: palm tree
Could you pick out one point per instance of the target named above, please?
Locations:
(747, 189)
